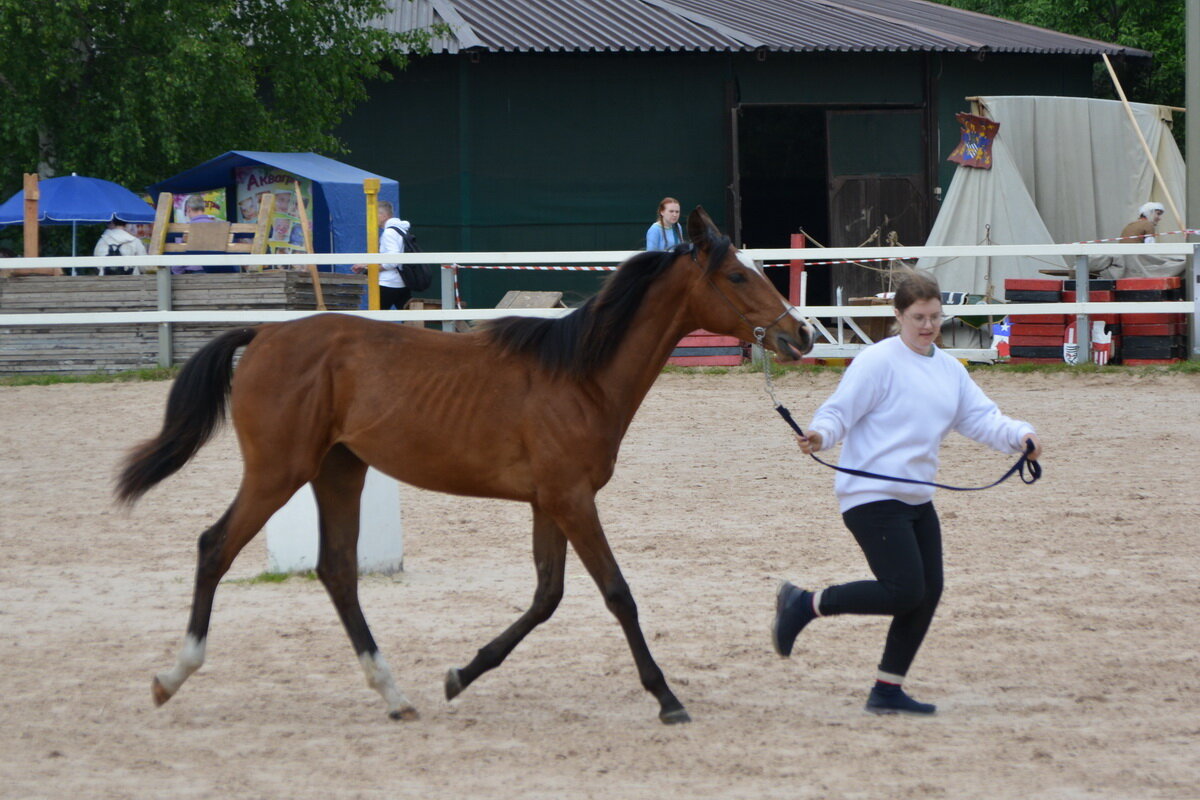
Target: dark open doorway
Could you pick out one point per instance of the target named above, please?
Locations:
(783, 183)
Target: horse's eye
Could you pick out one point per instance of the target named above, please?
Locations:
(737, 277)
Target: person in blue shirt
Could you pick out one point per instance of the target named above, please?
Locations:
(666, 232)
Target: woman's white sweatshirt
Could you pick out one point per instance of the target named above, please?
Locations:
(892, 408)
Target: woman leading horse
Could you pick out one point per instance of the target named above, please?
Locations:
(532, 410)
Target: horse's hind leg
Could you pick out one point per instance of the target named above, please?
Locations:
(258, 498)
(549, 557)
(338, 488)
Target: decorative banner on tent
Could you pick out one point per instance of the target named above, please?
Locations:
(975, 149)
(286, 234)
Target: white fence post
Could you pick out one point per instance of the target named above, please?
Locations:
(292, 533)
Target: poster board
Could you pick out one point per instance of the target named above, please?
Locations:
(286, 233)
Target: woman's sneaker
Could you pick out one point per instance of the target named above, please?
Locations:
(888, 698)
(793, 610)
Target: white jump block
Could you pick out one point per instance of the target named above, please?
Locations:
(292, 533)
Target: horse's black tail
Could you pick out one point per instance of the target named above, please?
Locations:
(195, 409)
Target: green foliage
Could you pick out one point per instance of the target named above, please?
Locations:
(137, 90)
(1155, 26)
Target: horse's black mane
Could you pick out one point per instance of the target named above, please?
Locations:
(586, 339)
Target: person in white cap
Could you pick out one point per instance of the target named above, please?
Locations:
(1143, 228)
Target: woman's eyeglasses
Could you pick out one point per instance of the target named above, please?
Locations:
(921, 319)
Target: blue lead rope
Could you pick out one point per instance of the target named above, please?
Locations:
(1035, 469)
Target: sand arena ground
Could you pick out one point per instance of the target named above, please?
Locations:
(1064, 658)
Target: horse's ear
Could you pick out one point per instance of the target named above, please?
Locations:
(700, 228)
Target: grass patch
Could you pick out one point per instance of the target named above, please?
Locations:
(673, 369)
(147, 374)
(275, 577)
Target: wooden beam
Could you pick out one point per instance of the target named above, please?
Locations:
(31, 215)
(1112, 73)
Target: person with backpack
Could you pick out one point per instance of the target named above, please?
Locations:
(117, 241)
(397, 282)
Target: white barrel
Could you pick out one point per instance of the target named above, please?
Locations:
(292, 533)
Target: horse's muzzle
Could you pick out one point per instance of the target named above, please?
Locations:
(792, 347)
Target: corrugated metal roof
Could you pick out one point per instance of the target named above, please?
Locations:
(729, 25)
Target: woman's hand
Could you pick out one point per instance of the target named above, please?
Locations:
(1029, 439)
(809, 444)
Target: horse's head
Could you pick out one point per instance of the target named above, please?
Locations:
(735, 297)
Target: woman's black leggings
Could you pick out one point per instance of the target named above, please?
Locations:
(903, 546)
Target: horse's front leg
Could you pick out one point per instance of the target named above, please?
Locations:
(581, 524)
(338, 489)
(549, 558)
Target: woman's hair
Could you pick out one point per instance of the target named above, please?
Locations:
(663, 204)
(913, 288)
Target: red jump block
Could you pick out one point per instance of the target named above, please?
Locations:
(1142, 284)
(1032, 285)
(1040, 319)
(1035, 341)
(1093, 297)
(1151, 319)
(1154, 329)
(1030, 329)
(702, 348)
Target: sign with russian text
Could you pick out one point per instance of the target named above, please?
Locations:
(285, 234)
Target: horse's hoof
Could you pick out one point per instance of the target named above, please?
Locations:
(454, 685)
(161, 695)
(675, 717)
(406, 714)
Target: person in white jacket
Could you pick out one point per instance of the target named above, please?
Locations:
(896, 402)
(393, 293)
(116, 241)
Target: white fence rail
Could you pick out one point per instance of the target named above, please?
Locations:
(833, 346)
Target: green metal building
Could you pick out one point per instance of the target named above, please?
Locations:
(560, 124)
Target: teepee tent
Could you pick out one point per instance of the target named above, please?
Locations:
(1064, 169)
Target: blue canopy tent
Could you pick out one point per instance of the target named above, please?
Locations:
(72, 199)
(339, 213)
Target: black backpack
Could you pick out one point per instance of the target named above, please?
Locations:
(417, 277)
(114, 250)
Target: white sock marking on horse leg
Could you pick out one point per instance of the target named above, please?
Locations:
(190, 657)
(379, 678)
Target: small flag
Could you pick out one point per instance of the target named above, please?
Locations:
(1000, 331)
(975, 149)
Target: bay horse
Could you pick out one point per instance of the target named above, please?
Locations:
(524, 409)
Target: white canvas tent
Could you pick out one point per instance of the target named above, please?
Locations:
(1064, 169)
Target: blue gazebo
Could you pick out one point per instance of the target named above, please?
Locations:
(339, 206)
